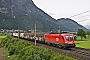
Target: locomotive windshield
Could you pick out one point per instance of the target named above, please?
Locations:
(69, 37)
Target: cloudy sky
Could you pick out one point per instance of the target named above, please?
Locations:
(78, 10)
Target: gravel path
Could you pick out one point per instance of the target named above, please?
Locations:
(2, 54)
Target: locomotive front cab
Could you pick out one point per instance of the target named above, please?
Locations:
(68, 40)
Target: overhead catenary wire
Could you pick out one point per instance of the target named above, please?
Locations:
(82, 16)
(83, 20)
(79, 14)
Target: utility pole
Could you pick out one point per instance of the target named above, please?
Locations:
(35, 33)
(18, 33)
(51, 29)
(58, 28)
(12, 31)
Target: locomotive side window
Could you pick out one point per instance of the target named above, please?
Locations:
(69, 37)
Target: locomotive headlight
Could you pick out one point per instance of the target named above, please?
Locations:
(66, 42)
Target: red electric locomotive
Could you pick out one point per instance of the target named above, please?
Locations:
(61, 40)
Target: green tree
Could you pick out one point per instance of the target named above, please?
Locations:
(81, 33)
(88, 33)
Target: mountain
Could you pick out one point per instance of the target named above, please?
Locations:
(23, 14)
(70, 25)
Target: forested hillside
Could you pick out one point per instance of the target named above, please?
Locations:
(23, 14)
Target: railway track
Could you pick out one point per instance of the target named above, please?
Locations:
(85, 52)
(81, 53)
(77, 53)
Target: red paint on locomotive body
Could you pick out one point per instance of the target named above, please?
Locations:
(66, 40)
(54, 38)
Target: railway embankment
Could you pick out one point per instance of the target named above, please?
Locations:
(21, 50)
(78, 53)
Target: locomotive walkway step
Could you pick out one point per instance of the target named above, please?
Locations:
(2, 54)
